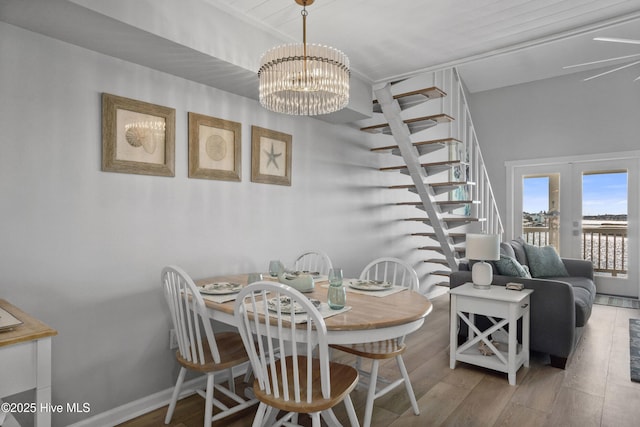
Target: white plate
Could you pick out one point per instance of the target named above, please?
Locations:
(220, 288)
(285, 305)
(370, 285)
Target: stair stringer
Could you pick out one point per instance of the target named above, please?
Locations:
(400, 132)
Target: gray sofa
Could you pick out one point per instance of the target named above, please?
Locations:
(560, 306)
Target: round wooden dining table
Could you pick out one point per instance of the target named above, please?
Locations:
(370, 318)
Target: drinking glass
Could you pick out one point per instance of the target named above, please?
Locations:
(254, 277)
(275, 268)
(337, 294)
(335, 276)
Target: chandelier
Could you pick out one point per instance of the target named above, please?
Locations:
(302, 79)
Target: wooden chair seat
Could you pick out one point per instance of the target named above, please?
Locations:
(231, 351)
(386, 349)
(343, 379)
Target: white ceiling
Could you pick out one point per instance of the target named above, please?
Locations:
(494, 43)
(506, 41)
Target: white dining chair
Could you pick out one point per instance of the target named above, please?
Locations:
(297, 382)
(398, 273)
(199, 349)
(313, 261)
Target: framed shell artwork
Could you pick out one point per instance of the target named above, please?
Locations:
(214, 148)
(137, 137)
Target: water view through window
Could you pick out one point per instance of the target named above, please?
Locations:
(604, 217)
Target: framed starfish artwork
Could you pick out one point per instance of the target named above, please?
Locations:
(137, 137)
(270, 156)
(214, 148)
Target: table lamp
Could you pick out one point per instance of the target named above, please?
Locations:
(482, 247)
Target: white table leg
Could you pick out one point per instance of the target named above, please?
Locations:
(43, 382)
(453, 332)
(525, 336)
(513, 343)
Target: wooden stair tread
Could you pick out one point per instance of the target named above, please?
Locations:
(425, 165)
(445, 273)
(421, 143)
(434, 184)
(429, 93)
(437, 261)
(457, 202)
(436, 118)
(446, 219)
(450, 183)
(440, 202)
(438, 248)
(431, 234)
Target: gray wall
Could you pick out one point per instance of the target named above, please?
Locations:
(562, 116)
(82, 249)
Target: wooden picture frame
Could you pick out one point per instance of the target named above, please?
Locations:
(270, 156)
(214, 148)
(137, 137)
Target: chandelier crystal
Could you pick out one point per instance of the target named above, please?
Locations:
(304, 79)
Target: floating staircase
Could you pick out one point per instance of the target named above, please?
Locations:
(427, 134)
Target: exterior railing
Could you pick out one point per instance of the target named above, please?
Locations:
(605, 245)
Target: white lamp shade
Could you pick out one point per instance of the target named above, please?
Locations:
(483, 247)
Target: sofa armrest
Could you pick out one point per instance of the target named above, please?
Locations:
(458, 278)
(578, 267)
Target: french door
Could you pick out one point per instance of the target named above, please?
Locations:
(585, 208)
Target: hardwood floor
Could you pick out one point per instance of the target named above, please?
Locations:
(594, 390)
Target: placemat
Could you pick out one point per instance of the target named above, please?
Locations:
(220, 298)
(379, 294)
(324, 310)
(7, 321)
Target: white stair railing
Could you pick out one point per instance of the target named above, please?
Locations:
(482, 191)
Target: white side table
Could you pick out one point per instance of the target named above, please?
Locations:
(503, 308)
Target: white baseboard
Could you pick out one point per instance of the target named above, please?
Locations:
(142, 406)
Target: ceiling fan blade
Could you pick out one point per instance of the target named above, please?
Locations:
(616, 40)
(601, 61)
(611, 71)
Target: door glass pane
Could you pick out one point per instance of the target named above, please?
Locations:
(604, 221)
(541, 210)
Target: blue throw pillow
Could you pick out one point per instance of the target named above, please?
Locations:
(508, 266)
(544, 261)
